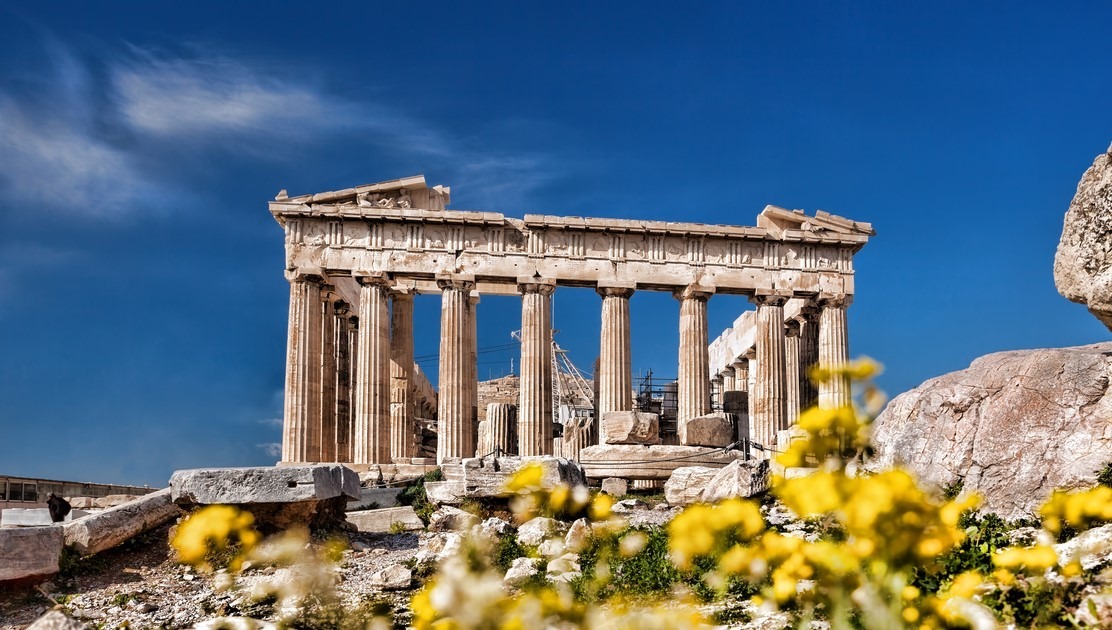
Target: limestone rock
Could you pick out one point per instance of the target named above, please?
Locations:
(445, 492)
(578, 536)
(630, 427)
(1083, 263)
(56, 620)
(742, 478)
(383, 520)
(112, 500)
(393, 578)
(551, 547)
(520, 571)
(103, 530)
(29, 553)
(448, 519)
(1013, 426)
(615, 487)
(629, 505)
(710, 430)
(564, 568)
(533, 532)
(1091, 548)
(1095, 611)
(283, 484)
(82, 503)
(686, 484)
(494, 527)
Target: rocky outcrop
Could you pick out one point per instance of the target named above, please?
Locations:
(1012, 426)
(1083, 264)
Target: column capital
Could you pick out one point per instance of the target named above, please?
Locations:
(341, 308)
(303, 275)
(791, 327)
(693, 292)
(473, 297)
(769, 299)
(729, 371)
(457, 282)
(740, 364)
(376, 278)
(400, 293)
(543, 286)
(614, 291)
(840, 300)
(810, 310)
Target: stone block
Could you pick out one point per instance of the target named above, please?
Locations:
(710, 430)
(445, 492)
(393, 578)
(112, 500)
(736, 402)
(487, 476)
(103, 530)
(686, 484)
(649, 462)
(82, 503)
(450, 519)
(29, 553)
(520, 571)
(285, 484)
(630, 427)
(534, 531)
(33, 517)
(382, 520)
(615, 486)
(746, 478)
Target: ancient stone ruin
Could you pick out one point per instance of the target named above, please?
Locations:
(356, 257)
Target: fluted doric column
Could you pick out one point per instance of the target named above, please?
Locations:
(402, 444)
(323, 442)
(834, 350)
(615, 369)
(808, 354)
(769, 393)
(453, 404)
(792, 375)
(693, 391)
(372, 380)
(535, 406)
(473, 376)
(498, 432)
(728, 384)
(345, 433)
(340, 439)
(302, 399)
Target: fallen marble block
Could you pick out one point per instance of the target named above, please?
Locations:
(710, 430)
(383, 520)
(686, 484)
(279, 497)
(630, 427)
(106, 529)
(649, 462)
(28, 554)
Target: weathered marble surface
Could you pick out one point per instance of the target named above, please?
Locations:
(630, 427)
(686, 484)
(1013, 426)
(1083, 263)
(649, 462)
(284, 484)
(103, 530)
(29, 552)
(742, 478)
(383, 520)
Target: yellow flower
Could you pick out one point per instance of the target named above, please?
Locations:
(1037, 558)
(213, 529)
(528, 477)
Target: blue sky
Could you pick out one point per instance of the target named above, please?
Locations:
(142, 303)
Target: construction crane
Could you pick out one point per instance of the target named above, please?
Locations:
(572, 393)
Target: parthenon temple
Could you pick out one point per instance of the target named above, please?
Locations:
(355, 258)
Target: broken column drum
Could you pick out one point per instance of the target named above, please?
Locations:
(370, 241)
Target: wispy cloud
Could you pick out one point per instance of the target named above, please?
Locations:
(272, 449)
(272, 422)
(106, 136)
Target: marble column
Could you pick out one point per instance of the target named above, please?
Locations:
(834, 350)
(792, 375)
(769, 393)
(340, 439)
(501, 429)
(453, 404)
(402, 444)
(302, 397)
(741, 375)
(473, 377)
(322, 441)
(345, 433)
(615, 368)
(751, 381)
(372, 381)
(693, 388)
(808, 354)
(535, 405)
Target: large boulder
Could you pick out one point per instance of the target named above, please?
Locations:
(630, 427)
(743, 478)
(686, 484)
(106, 529)
(1012, 426)
(1083, 263)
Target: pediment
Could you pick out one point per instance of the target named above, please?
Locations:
(778, 220)
(407, 192)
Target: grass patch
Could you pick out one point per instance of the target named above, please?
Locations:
(414, 495)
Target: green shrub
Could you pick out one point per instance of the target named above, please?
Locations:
(414, 494)
(1104, 475)
(985, 534)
